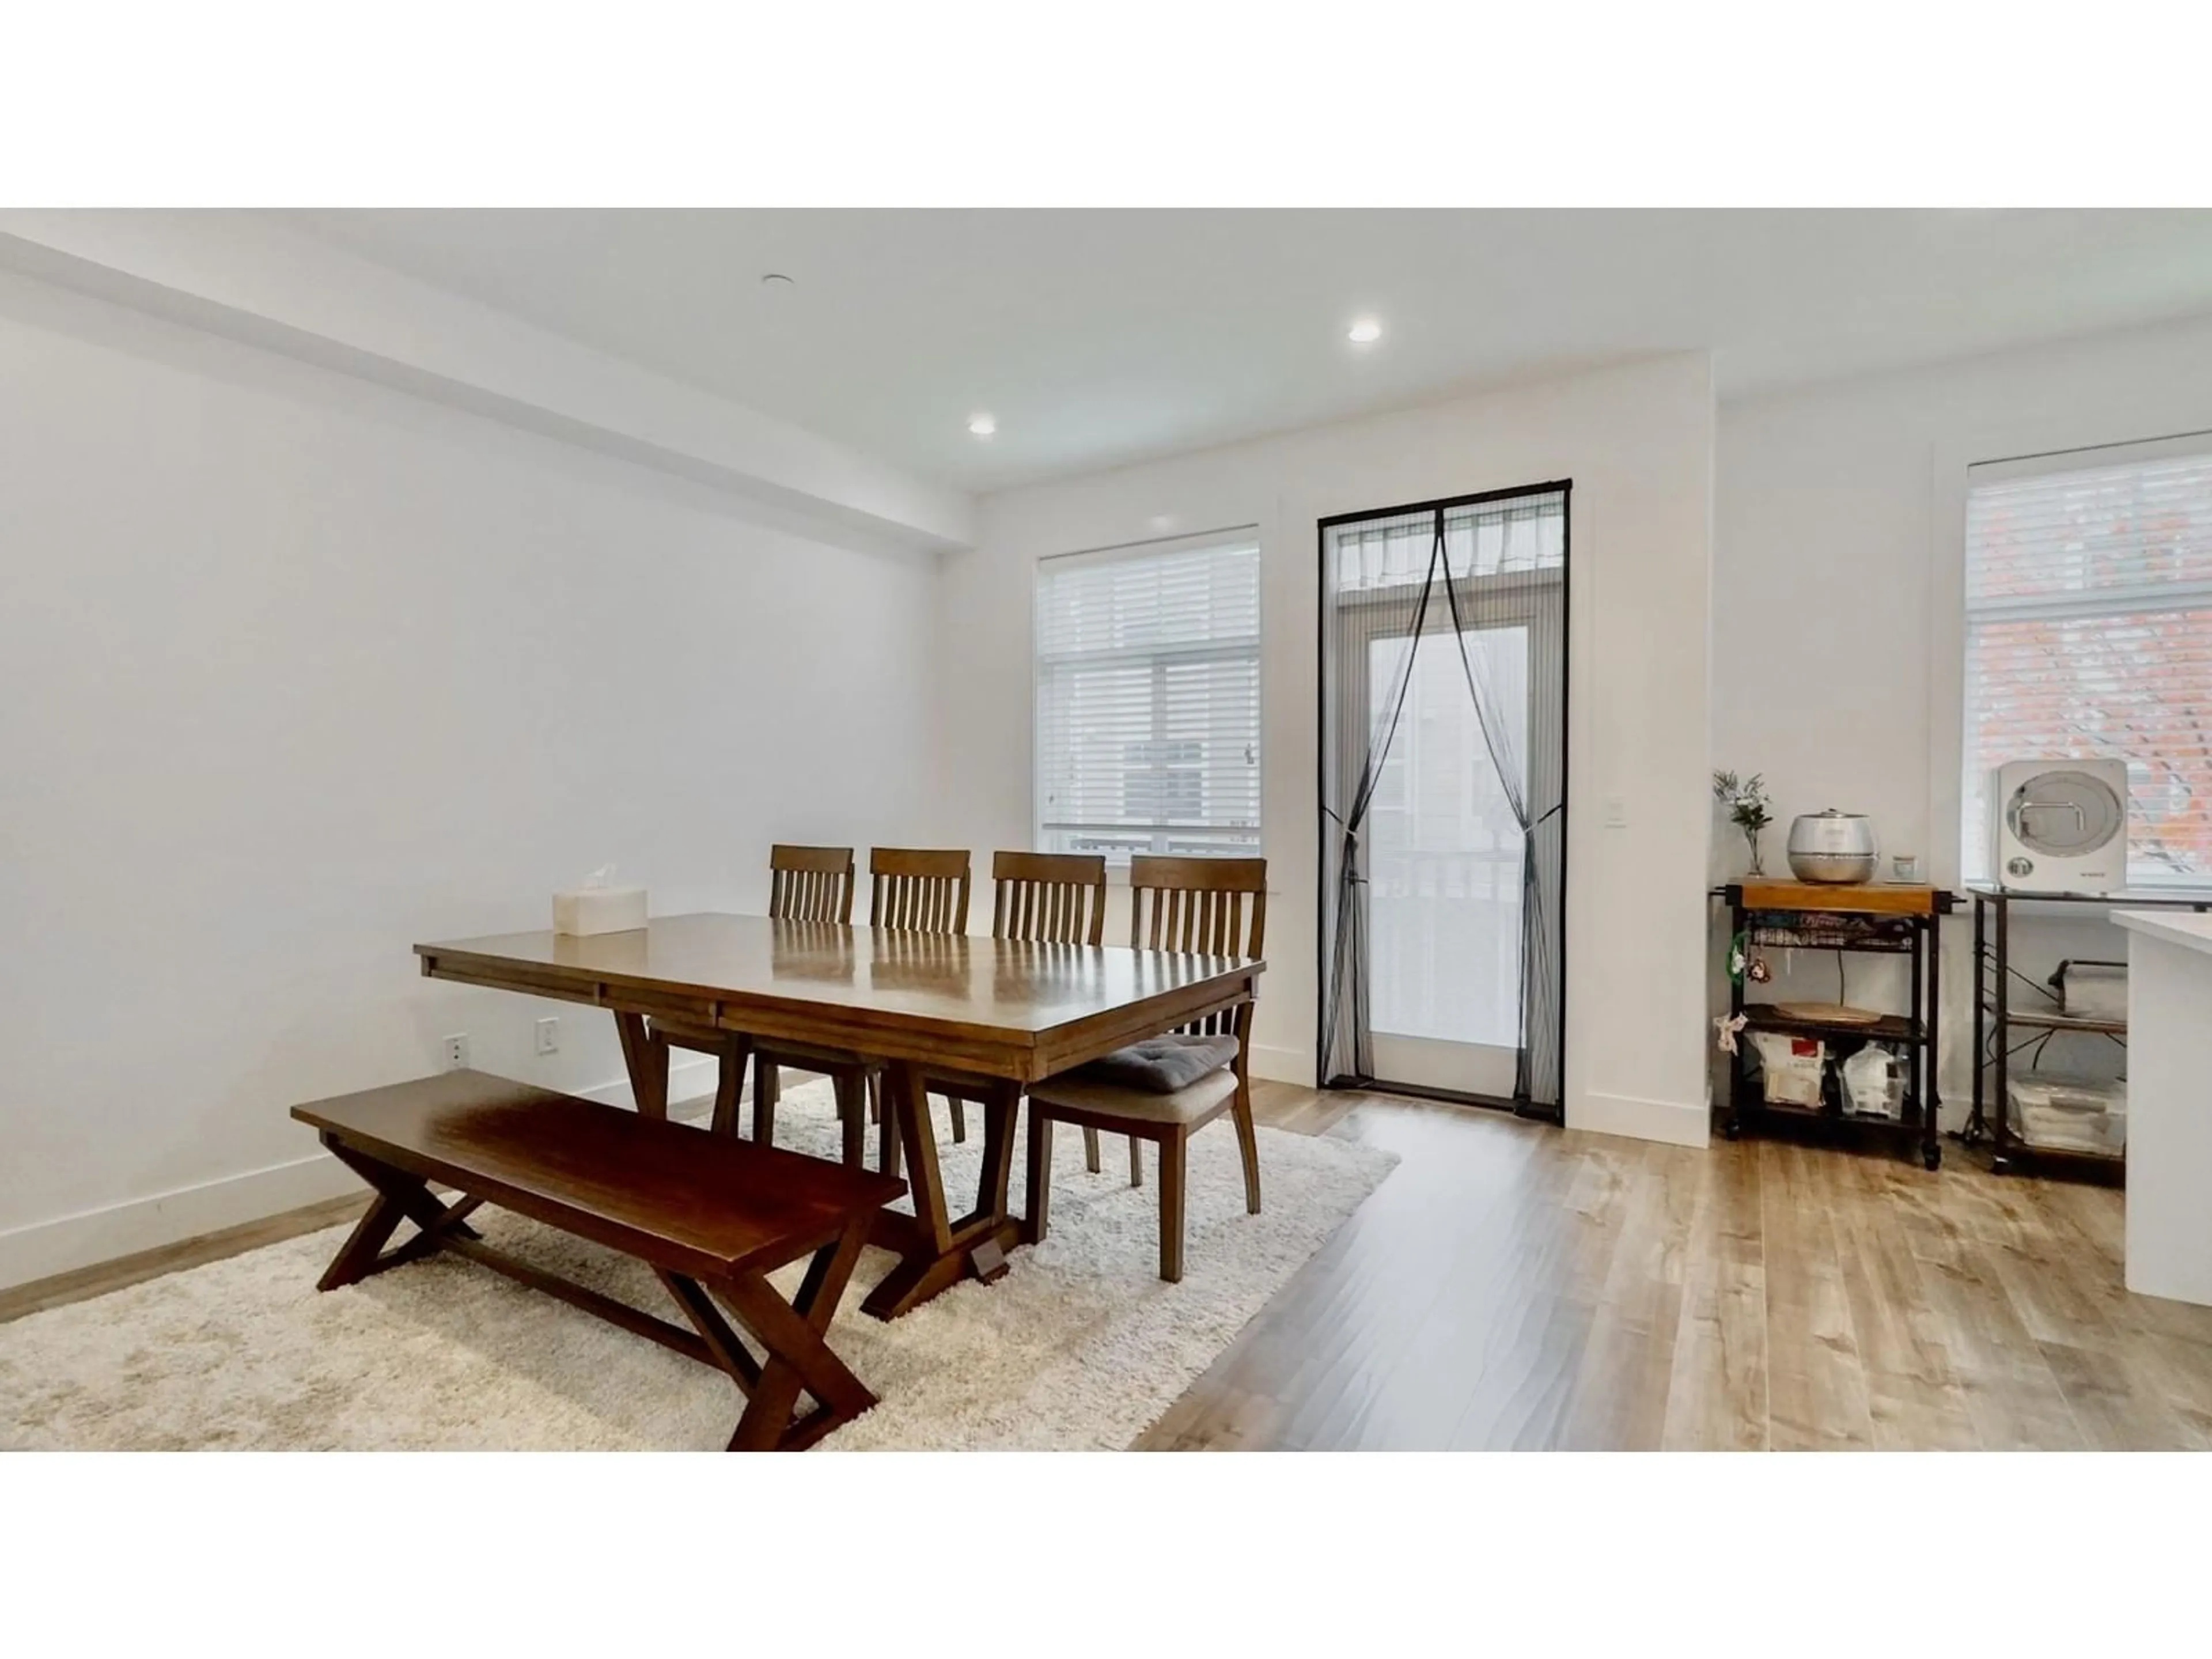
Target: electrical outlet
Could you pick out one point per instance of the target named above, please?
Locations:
(1616, 813)
(549, 1036)
(456, 1052)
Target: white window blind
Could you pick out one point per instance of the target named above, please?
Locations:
(1148, 699)
(2089, 635)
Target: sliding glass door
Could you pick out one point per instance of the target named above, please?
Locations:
(1444, 679)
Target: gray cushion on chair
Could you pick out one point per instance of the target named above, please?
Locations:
(1162, 1064)
(1078, 1093)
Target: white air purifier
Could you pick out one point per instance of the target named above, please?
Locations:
(2060, 826)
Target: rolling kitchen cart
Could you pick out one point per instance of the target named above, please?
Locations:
(1869, 918)
(1995, 1014)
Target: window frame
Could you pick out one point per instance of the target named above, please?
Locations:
(1160, 661)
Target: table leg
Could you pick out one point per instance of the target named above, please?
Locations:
(730, 1082)
(647, 1062)
(996, 1178)
(937, 1252)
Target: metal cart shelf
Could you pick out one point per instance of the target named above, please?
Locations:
(1877, 918)
(1995, 1016)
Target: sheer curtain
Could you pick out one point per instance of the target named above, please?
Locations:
(1444, 656)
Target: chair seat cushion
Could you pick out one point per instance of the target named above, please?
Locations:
(1162, 1064)
(1081, 1093)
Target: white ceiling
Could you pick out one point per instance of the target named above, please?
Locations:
(1102, 337)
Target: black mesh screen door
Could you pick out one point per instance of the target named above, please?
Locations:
(1443, 797)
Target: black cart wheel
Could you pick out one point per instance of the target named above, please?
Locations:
(1731, 1130)
(1932, 1156)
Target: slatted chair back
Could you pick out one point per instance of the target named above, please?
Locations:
(919, 891)
(1206, 907)
(811, 883)
(1057, 898)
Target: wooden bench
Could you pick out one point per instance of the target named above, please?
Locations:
(712, 1216)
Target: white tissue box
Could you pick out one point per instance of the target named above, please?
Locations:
(599, 909)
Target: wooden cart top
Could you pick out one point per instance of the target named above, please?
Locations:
(1881, 898)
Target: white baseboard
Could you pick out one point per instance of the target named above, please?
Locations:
(65, 1244)
(1283, 1065)
(1676, 1122)
(68, 1242)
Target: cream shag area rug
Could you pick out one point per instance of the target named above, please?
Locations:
(1079, 1347)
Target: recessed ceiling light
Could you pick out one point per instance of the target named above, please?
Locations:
(1365, 332)
(776, 282)
(981, 425)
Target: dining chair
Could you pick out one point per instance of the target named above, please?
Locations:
(913, 891)
(1211, 907)
(1056, 898)
(1053, 898)
(807, 884)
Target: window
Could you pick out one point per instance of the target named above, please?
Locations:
(1148, 699)
(2089, 635)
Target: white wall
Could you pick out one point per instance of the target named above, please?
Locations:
(296, 671)
(1837, 537)
(1638, 443)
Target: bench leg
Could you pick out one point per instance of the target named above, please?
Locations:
(790, 1333)
(722, 1343)
(399, 1197)
(356, 1257)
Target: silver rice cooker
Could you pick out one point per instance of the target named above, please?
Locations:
(1832, 846)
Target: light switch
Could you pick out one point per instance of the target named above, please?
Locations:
(1616, 811)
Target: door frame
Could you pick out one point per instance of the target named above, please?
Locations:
(1564, 488)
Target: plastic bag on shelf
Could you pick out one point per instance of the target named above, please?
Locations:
(1790, 1067)
(1874, 1083)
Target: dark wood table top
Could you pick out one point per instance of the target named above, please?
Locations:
(1016, 1007)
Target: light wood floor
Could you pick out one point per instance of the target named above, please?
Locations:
(1512, 1285)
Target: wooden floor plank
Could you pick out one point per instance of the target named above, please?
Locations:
(1816, 1379)
(1717, 1395)
(1619, 1399)
(1914, 1395)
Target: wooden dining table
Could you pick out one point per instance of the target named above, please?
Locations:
(1000, 1012)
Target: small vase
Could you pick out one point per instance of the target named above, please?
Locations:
(1751, 840)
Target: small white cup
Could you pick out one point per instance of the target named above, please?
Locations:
(1905, 867)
